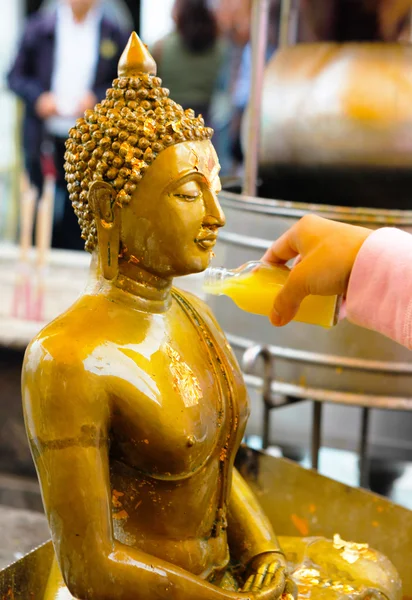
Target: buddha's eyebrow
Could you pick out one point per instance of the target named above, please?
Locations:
(181, 180)
(190, 176)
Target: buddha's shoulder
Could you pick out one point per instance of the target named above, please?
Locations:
(71, 337)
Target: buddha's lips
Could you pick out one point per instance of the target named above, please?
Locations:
(206, 239)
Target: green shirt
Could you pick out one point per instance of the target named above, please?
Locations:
(190, 76)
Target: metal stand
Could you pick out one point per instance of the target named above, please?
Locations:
(363, 449)
(289, 22)
(251, 358)
(294, 23)
(276, 394)
(285, 12)
(249, 362)
(260, 20)
(316, 433)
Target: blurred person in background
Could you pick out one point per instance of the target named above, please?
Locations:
(116, 11)
(242, 87)
(66, 60)
(189, 58)
(234, 20)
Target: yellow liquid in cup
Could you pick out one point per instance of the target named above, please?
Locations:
(255, 292)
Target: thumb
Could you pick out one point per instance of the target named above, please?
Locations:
(289, 299)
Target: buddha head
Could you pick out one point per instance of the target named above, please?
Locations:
(143, 175)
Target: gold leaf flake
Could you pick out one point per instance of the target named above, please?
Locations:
(185, 381)
(351, 551)
(149, 126)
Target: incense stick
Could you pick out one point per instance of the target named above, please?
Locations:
(22, 290)
(43, 243)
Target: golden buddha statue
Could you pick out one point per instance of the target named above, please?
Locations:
(134, 403)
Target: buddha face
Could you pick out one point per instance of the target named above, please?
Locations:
(170, 226)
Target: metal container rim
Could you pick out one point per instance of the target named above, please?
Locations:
(290, 209)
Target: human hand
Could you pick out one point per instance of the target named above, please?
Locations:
(88, 102)
(266, 578)
(391, 13)
(327, 251)
(45, 106)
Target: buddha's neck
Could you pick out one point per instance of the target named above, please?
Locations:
(138, 288)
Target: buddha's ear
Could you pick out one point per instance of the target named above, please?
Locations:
(102, 202)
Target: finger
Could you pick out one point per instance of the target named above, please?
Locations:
(290, 297)
(282, 250)
(249, 582)
(291, 589)
(278, 582)
(270, 572)
(259, 578)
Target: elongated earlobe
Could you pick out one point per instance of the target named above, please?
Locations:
(102, 200)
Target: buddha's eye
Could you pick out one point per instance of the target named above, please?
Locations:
(189, 192)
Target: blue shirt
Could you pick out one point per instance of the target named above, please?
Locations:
(241, 91)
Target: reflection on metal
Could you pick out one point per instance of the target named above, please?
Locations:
(334, 362)
(288, 390)
(259, 29)
(291, 496)
(244, 240)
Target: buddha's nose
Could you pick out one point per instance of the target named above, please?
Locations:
(214, 213)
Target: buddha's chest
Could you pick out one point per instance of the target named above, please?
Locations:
(177, 400)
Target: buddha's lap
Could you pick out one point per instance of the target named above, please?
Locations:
(322, 569)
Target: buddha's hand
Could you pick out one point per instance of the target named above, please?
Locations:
(326, 252)
(266, 578)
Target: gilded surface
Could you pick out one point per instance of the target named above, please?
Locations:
(184, 380)
(134, 403)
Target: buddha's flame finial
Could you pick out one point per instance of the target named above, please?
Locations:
(136, 59)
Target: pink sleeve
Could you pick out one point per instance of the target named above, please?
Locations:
(379, 295)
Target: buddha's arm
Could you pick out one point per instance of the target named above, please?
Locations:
(249, 530)
(68, 419)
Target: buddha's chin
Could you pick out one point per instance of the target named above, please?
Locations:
(198, 264)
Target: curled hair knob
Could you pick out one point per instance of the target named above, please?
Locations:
(136, 59)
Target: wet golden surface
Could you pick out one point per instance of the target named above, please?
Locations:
(134, 405)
